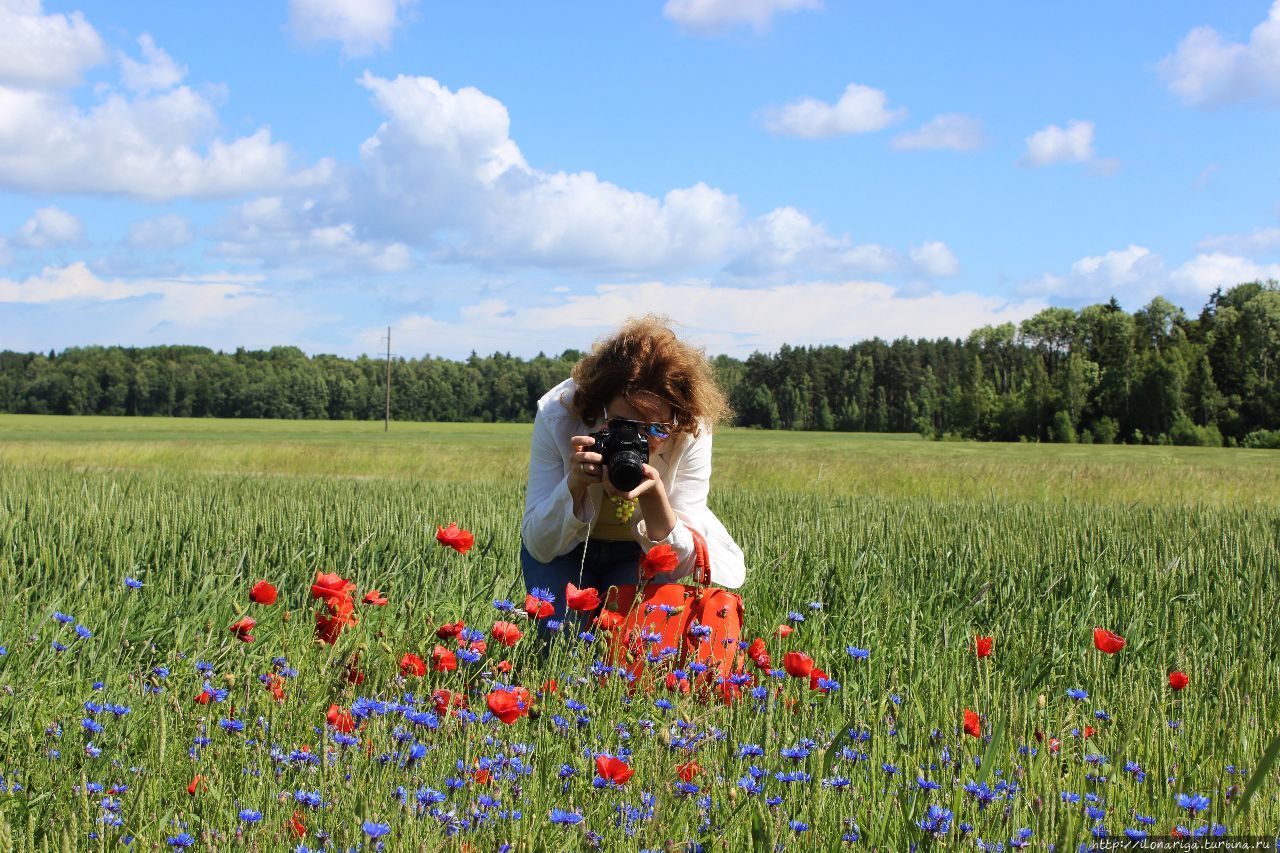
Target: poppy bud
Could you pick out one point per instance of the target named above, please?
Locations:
(286, 617)
(229, 678)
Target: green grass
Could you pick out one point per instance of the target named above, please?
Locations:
(911, 547)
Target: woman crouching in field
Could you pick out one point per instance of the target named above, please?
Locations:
(589, 526)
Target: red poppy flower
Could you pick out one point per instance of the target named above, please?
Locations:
(1178, 680)
(354, 675)
(608, 620)
(1107, 641)
(503, 666)
(536, 608)
(262, 593)
(613, 770)
(982, 646)
(506, 633)
(688, 770)
(1054, 744)
(508, 705)
(783, 631)
(674, 683)
(340, 719)
(443, 698)
(581, 599)
(972, 723)
(1088, 731)
(478, 646)
(243, 629)
(443, 660)
(296, 826)
(204, 697)
(814, 676)
(759, 654)
(411, 664)
(195, 784)
(275, 685)
(375, 596)
(331, 586)
(341, 615)
(549, 686)
(797, 664)
(449, 630)
(659, 560)
(454, 537)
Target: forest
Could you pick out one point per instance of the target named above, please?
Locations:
(1097, 374)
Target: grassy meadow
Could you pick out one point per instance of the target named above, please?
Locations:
(891, 545)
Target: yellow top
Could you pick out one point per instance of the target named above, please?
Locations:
(614, 521)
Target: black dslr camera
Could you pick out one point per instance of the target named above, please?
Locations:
(625, 450)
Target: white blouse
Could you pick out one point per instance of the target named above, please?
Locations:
(553, 526)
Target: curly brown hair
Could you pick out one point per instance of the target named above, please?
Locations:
(646, 357)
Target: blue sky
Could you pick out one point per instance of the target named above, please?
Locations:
(522, 176)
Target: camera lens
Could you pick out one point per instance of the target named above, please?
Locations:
(626, 470)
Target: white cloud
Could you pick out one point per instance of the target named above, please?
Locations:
(786, 239)
(1054, 144)
(362, 27)
(443, 168)
(1258, 242)
(951, 131)
(48, 228)
(294, 236)
(156, 72)
(1207, 70)
(1135, 274)
(210, 295)
(728, 320)
(861, 109)
(714, 16)
(935, 259)
(170, 231)
(38, 50)
(154, 146)
(1206, 272)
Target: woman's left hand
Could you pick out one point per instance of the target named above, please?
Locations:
(652, 480)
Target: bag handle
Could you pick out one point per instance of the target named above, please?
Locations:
(701, 558)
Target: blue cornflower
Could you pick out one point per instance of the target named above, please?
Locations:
(1135, 834)
(566, 818)
(91, 725)
(748, 749)
(857, 653)
(232, 725)
(793, 616)
(937, 820)
(471, 635)
(1193, 802)
(543, 594)
(815, 605)
(133, 583)
(308, 798)
(375, 830)
(1078, 694)
(926, 785)
(181, 840)
(504, 605)
(63, 618)
(83, 633)
(798, 826)
(468, 656)
(250, 816)
(58, 647)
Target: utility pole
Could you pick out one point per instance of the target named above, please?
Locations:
(386, 426)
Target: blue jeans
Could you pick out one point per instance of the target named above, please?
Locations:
(607, 564)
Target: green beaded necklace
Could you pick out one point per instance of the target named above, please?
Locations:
(623, 508)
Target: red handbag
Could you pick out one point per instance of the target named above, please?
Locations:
(703, 624)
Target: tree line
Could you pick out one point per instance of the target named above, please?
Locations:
(1098, 374)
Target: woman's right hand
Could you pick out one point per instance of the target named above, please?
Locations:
(585, 467)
